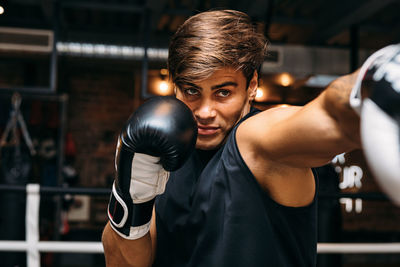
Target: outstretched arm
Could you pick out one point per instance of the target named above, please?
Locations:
(285, 143)
(281, 145)
(308, 136)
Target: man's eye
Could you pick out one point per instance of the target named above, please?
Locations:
(191, 91)
(223, 93)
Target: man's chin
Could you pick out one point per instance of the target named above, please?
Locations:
(208, 144)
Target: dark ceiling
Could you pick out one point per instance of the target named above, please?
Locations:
(365, 24)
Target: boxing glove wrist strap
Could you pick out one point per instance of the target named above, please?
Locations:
(129, 220)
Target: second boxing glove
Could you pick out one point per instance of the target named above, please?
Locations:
(156, 139)
(376, 97)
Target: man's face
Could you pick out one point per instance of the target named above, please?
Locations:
(218, 103)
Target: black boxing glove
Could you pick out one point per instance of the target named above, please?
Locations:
(376, 97)
(156, 139)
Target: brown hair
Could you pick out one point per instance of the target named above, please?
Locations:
(212, 40)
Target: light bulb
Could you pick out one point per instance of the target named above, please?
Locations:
(163, 87)
(285, 79)
(259, 94)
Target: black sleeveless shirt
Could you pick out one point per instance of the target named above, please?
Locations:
(214, 213)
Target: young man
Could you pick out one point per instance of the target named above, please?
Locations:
(247, 195)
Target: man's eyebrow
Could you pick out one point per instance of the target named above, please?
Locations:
(218, 86)
(188, 84)
(223, 85)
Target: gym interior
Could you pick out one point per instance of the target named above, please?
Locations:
(72, 71)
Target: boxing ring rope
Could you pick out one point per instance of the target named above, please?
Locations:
(33, 246)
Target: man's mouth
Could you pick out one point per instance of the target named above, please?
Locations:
(207, 130)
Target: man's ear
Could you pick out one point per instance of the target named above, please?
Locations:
(253, 85)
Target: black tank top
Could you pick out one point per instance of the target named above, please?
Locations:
(214, 213)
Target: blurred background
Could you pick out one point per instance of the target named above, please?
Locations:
(72, 71)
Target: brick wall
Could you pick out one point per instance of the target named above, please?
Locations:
(100, 101)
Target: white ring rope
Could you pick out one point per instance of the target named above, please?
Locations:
(53, 246)
(33, 246)
(358, 248)
(96, 247)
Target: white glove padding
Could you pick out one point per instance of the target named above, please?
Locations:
(148, 178)
(379, 117)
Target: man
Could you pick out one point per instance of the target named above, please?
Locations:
(247, 195)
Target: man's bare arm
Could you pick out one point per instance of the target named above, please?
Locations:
(119, 251)
(308, 136)
(280, 145)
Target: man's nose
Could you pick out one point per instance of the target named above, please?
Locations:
(205, 112)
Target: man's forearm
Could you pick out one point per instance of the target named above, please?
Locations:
(123, 252)
(336, 102)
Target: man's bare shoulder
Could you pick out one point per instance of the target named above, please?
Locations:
(275, 114)
(264, 121)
